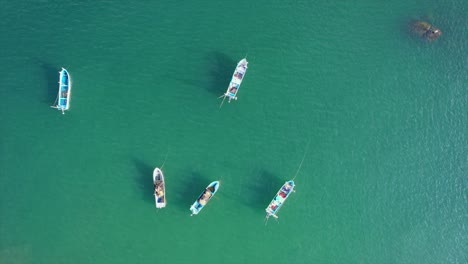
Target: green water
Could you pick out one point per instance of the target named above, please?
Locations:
(379, 115)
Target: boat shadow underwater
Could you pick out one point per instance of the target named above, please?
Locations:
(51, 76)
(144, 180)
(260, 191)
(220, 68)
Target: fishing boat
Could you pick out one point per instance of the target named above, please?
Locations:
(237, 77)
(64, 92)
(279, 199)
(204, 198)
(159, 188)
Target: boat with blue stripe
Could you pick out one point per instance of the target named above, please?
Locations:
(205, 197)
(64, 92)
(279, 199)
(236, 81)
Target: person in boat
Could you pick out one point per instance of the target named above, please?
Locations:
(205, 197)
(160, 193)
(282, 194)
(287, 187)
(158, 188)
(233, 90)
(202, 202)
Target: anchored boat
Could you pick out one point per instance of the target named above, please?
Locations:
(279, 199)
(159, 188)
(204, 198)
(64, 92)
(236, 81)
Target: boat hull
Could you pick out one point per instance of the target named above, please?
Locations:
(64, 92)
(159, 188)
(202, 200)
(236, 80)
(280, 198)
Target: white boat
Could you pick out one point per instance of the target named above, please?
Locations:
(236, 80)
(64, 92)
(159, 188)
(280, 198)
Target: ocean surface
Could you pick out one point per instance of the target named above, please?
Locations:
(378, 116)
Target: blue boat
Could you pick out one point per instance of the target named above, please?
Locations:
(204, 198)
(279, 199)
(63, 97)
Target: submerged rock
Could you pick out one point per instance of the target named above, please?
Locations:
(425, 30)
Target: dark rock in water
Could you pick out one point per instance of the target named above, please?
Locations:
(425, 30)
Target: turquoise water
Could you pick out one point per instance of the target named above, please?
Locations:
(379, 116)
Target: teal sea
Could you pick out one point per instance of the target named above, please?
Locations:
(378, 116)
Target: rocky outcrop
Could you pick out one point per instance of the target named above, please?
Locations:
(425, 30)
